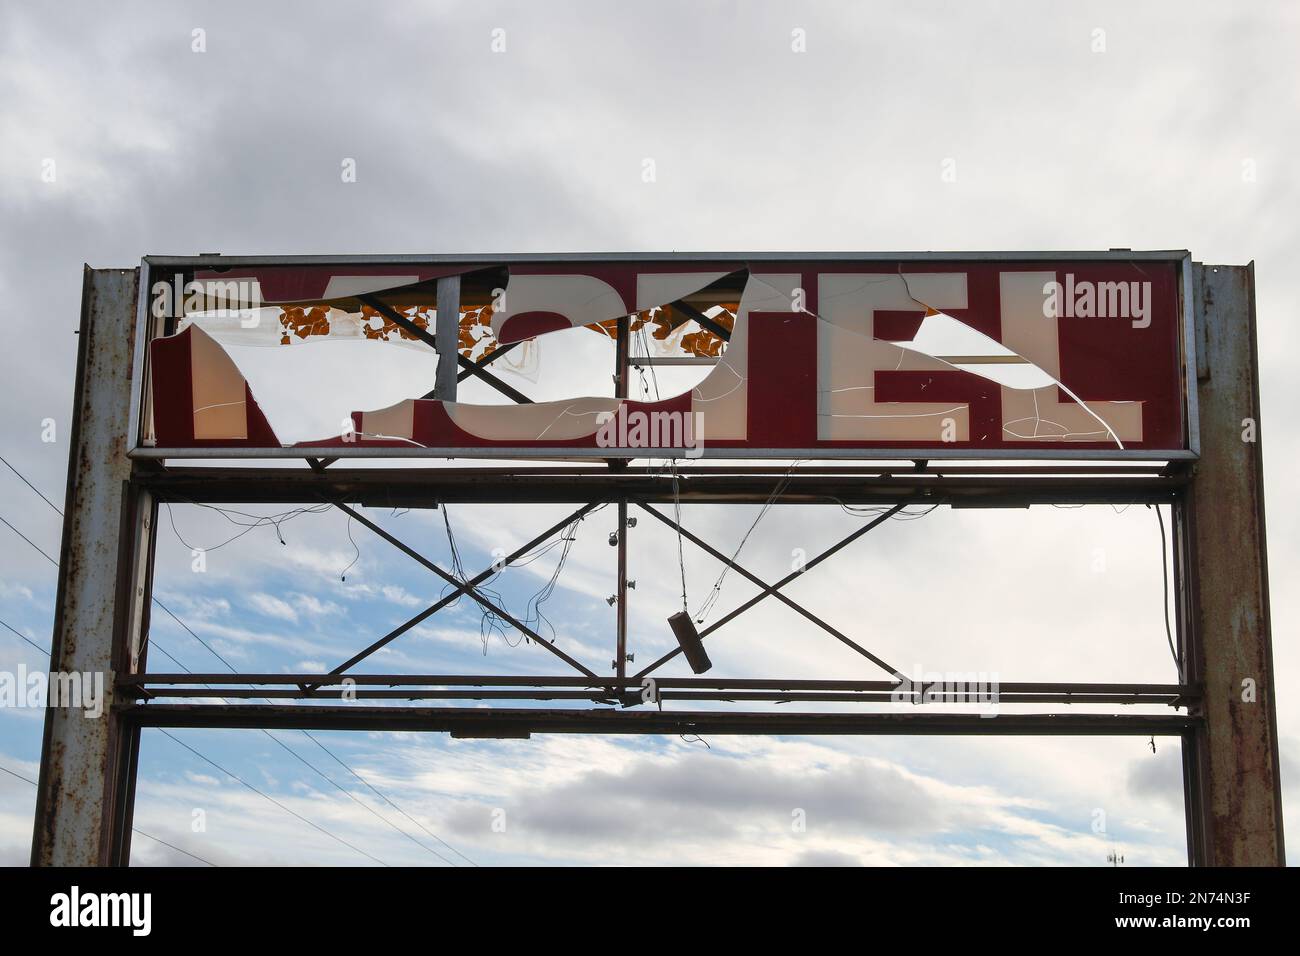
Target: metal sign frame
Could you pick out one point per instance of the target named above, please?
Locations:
(147, 331)
(1220, 587)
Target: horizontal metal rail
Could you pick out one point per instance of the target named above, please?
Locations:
(522, 722)
(628, 690)
(875, 469)
(413, 487)
(1046, 453)
(566, 680)
(917, 698)
(216, 260)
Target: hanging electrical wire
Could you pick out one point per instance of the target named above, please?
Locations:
(1164, 575)
(677, 521)
(874, 511)
(257, 521)
(712, 598)
(645, 348)
(343, 575)
(490, 622)
(534, 617)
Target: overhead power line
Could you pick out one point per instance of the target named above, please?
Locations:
(219, 657)
(172, 846)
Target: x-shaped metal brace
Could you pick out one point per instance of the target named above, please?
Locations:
(469, 587)
(476, 369)
(773, 590)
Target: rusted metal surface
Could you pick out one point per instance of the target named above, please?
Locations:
(85, 762)
(1233, 785)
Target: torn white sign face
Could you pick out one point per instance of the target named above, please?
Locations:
(1025, 364)
(956, 344)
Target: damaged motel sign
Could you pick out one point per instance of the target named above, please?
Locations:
(815, 356)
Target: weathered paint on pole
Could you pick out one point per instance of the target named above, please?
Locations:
(87, 763)
(1234, 791)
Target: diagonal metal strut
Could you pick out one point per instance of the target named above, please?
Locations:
(772, 589)
(488, 359)
(393, 315)
(463, 587)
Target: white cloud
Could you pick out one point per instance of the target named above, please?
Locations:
(271, 606)
(315, 607)
(400, 596)
(9, 591)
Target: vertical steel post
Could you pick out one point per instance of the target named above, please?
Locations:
(620, 660)
(1189, 672)
(1234, 805)
(446, 332)
(621, 345)
(621, 391)
(86, 785)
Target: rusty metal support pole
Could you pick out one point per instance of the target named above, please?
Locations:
(86, 786)
(1231, 766)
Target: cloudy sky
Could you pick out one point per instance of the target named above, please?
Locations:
(1080, 126)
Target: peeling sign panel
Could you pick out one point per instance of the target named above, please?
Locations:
(820, 357)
